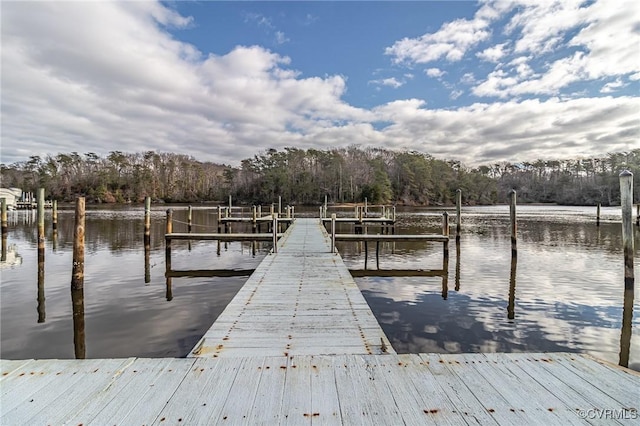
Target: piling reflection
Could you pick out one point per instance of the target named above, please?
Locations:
(169, 290)
(445, 276)
(147, 259)
(511, 314)
(41, 309)
(167, 261)
(222, 273)
(457, 278)
(4, 248)
(77, 302)
(625, 334)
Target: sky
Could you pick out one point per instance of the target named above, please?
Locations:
(478, 82)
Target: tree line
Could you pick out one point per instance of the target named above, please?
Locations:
(301, 176)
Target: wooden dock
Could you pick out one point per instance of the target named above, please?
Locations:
(298, 345)
(299, 301)
(507, 389)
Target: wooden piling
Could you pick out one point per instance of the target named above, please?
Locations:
(333, 233)
(626, 202)
(5, 222)
(77, 274)
(514, 225)
(147, 240)
(167, 243)
(638, 214)
(598, 215)
(377, 254)
(147, 221)
(254, 219)
(445, 232)
(366, 253)
(230, 205)
(189, 217)
(393, 226)
(54, 215)
(279, 205)
(40, 201)
(169, 229)
(41, 219)
(458, 213)
(274, 228)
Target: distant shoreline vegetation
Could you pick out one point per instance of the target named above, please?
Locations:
(344, 175)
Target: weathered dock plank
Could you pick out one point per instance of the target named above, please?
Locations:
(387, 237)
(303, 287)
(219, 237)
(340, 389)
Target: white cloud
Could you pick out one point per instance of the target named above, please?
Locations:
(514, 131)
(108, 75)
(468, 78)
(391, 82)
(552, 45)
(612, 86)
(450, 42)
(434, 72)
(281, 38)
(604, 38)
(260, 20)
(493, 54)
(455, 94)
(103, 76)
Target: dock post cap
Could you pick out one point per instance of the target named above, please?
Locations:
(625, 173)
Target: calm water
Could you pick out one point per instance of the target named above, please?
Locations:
(564, 293)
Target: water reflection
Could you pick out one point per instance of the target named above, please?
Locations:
(457, 278)
(569, 279)
(77, 302)
(445, 277)
(625, 334)
(41, 308)
(511, 311)
(567, 274)
(10, 256)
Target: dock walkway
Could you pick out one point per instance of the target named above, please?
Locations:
(425, 389)
(301, 300)
(298, 345)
